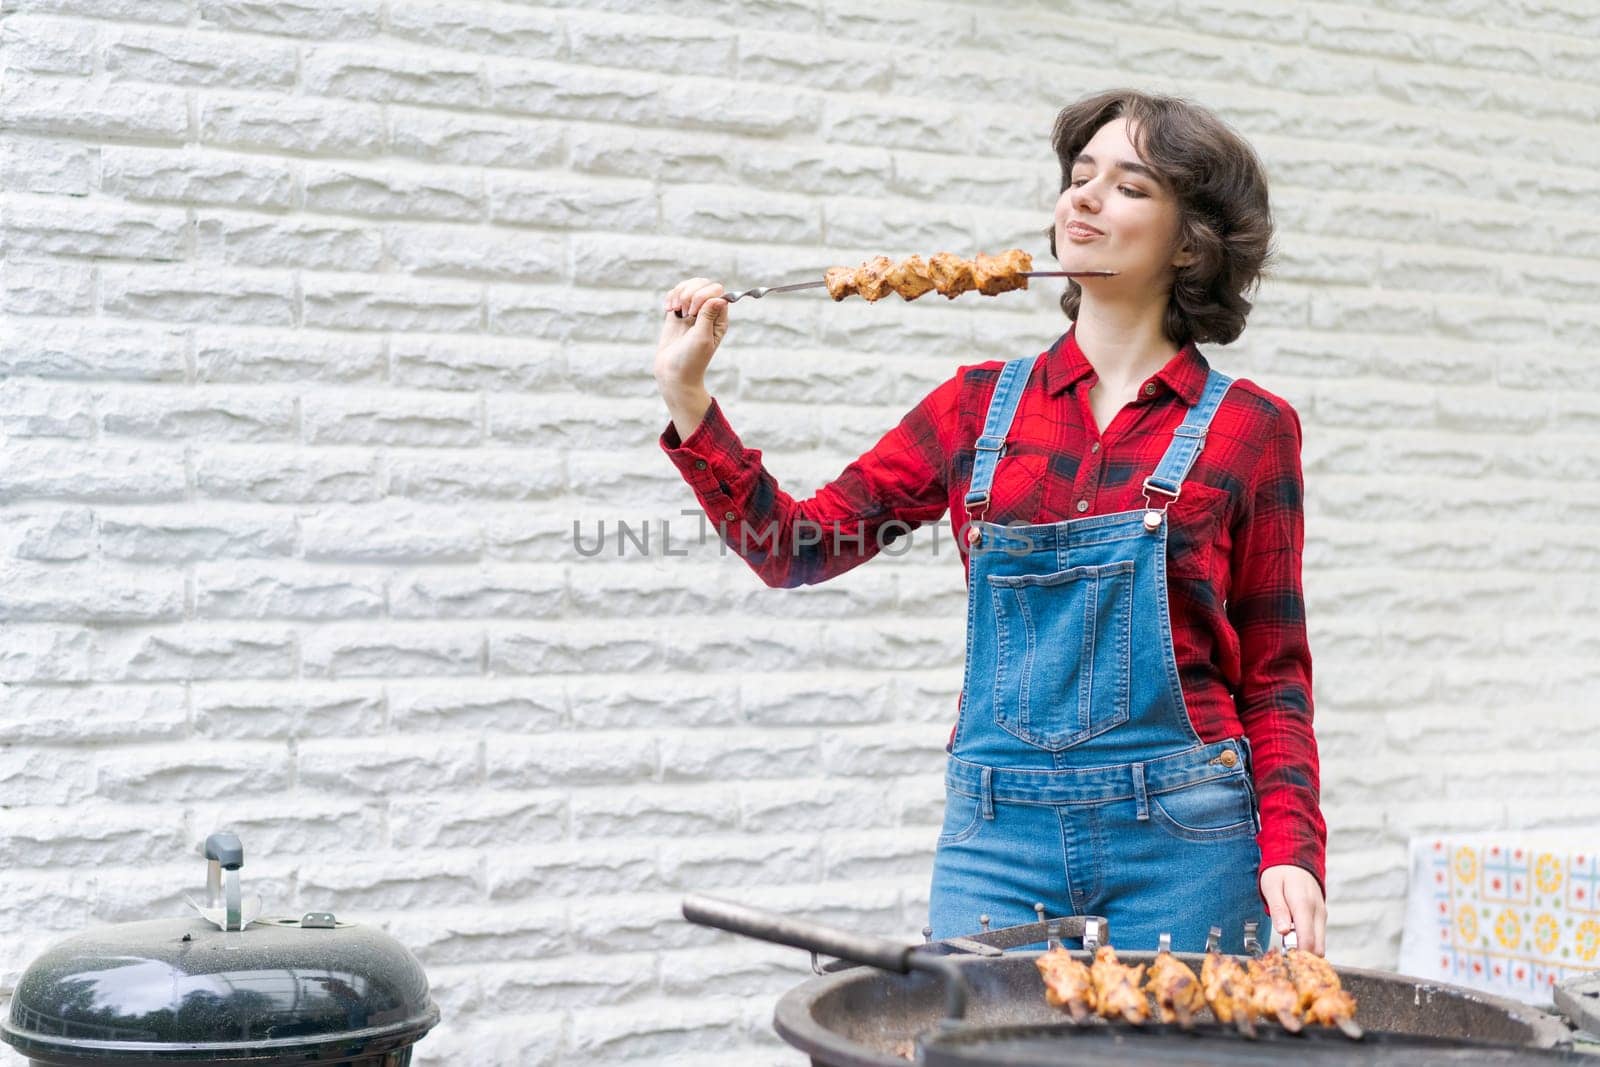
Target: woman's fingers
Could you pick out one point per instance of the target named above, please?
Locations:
(698, 297)
(1272, 890)
(678, 296)
(1295, 902)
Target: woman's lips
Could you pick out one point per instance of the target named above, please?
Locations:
(1078, 231)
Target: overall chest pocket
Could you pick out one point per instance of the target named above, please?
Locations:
(1065, 645)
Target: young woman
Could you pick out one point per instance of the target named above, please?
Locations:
(1134, 737)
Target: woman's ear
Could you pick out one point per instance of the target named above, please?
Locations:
(1183, 258)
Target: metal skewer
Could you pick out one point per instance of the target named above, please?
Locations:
(762, 290)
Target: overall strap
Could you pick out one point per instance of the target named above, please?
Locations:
(991, 443)
(1187, 441)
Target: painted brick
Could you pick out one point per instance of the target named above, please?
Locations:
(164, 57)
(261, 121)
(196, 176)
(333, 19)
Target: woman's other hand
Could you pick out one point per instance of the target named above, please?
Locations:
(688, 342)
(693, 323)
(1294, 900)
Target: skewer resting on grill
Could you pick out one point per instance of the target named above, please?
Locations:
(1227, 991)
(1323, 1000)
(1177, 991)
(1117, 988)
(1272, 991)
(1067, 984)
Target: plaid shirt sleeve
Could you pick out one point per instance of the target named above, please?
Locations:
(1266, 606)
(886, 493)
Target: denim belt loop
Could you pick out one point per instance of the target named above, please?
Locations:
(988, 793)
(1141, 799)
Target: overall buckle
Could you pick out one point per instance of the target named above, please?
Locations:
(1152, 514)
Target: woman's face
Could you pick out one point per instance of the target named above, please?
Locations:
(1115, 215)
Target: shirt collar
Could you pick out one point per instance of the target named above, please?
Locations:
(1184, 374)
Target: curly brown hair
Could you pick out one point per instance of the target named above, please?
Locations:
(1221, 190)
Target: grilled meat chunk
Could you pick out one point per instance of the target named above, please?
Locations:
(951, 274)
(841, 282)
(1323, 999)
(910, 277)
(1177, 991)
(1227, 991)
(1118, 989)
(872, 278)
(1067, 984)
(1002, 273)
(1272, 991)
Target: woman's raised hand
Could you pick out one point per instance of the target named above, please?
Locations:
(688, 342)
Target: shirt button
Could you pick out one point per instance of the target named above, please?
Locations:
(1149, 388)
(699, 464)
(1083, 505)
(1095, 447)
(730, 516)
(1228, 758)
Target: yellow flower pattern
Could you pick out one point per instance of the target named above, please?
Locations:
(1510, 919)
(1546, 933)
(1547, 873)
(1508, 929)
(1588, 939)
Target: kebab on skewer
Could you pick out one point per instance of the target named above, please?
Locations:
(1118, 989)
(1227, 991)
(944, 272)
(1323, 1000)
(1273, 993)
(1177, 991)
(1067, 984)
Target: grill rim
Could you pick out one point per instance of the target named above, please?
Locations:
(795, 1021)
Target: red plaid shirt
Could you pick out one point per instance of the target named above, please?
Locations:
(1235, 538)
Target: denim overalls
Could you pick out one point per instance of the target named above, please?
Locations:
(1075, 777)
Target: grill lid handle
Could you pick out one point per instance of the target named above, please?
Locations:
(225, 904)
(797, 933)
(226, 850)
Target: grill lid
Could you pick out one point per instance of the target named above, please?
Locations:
(313, 988)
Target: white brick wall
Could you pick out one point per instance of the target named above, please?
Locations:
(325, 319)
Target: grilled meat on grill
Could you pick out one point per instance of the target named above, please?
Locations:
(1177, 991)
(1117, 987)
(1067, 983)
(1272, 991)
(1323, 999)
(1227, 991)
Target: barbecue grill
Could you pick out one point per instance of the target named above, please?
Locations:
(979, 1000)
(222, 987)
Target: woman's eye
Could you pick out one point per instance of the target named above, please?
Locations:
(1074, 183)
(1129, 190)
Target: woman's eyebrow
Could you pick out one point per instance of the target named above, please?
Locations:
(1125, 164)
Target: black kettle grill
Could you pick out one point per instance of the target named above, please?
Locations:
(222, 987)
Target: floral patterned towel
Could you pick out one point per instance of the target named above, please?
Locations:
(1505, 913)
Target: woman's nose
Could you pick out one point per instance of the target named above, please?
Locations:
(1082, 199)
